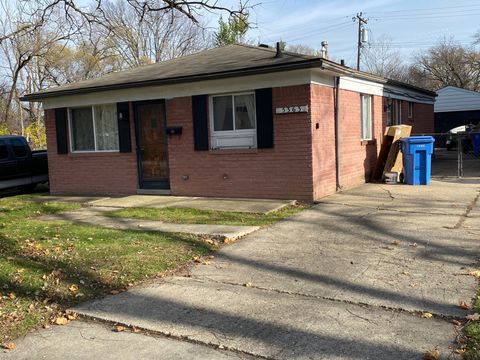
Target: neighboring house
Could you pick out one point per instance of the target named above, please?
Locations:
(234, 121)
(455, 107)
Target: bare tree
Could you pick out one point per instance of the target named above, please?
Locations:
(302, 49)
(448, 63)
(141, 38)
(53, 42)
(381, 59)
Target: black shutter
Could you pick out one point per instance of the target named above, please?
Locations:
(200, 122)
(264, 108)
(124, 139)
(61, 130)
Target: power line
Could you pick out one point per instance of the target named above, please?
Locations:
(308, 33)
(469, 7)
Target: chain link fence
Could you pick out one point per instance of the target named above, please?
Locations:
(454, 156)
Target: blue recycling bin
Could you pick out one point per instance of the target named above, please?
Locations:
(475, 136)
(417, 159)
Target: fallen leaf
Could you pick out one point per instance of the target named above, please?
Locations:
(427, 315)
(73, 288)
(248, 284)
(120, 328)
(456, 322)
(9, 346)
(135, 329)
(474, 317)
(432, 355)
(12, 296)
(460, 351)
(114, 292)
(475, 273)
(197, 259)
(413, 285)
(72, 316)
(206, 263)
(61, 320)
(405, 273)
(395, 242)
(464, 305)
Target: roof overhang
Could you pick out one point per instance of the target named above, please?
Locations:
(327, 66)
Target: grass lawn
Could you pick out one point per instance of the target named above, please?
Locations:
(472, 330)
(46, 267)
(195, 216)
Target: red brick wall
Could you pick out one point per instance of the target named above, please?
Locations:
(300, 166)
(323, 140)
(89, 173)
(284, 172)
(357, 157)
(422, 120)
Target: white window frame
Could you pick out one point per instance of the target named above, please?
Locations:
(70, 132)
(232, 134)
(370, 117)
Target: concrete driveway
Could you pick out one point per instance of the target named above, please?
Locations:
(352, 278)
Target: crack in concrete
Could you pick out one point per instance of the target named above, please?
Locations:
(468, 210)
(164, 334)
(388, 192)
(416, 313)
(380, 208)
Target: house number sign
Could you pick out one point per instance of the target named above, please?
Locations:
(291, 109)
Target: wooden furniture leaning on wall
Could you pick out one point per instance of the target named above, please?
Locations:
(390, 157)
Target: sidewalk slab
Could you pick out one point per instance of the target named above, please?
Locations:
(273, 325)
(350, 254)
(67, 198)
(261, 206)
(93, 216)
(88, 340)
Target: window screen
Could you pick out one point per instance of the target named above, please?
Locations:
(366, 116)
(82, 129)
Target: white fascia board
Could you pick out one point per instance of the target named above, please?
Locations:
(385, 90)
(361, 86)
(218, 86)
(320, 77)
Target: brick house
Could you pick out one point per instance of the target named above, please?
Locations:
(234, 121)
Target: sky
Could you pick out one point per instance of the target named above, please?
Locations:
(412, 26)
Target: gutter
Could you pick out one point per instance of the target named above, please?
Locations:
(336, 110)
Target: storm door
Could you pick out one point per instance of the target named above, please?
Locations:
(150, 122)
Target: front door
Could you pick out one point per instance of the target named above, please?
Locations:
(150, 122)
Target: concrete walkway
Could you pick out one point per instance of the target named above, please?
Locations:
(348, 279)
(259, 206)
(93, 216)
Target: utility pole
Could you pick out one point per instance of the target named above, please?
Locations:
(361, 22)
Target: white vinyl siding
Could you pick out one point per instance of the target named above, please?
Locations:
(451, 98)
(233, 121)
(366, 116)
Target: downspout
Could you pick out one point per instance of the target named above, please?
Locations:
(337, 132)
